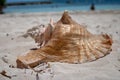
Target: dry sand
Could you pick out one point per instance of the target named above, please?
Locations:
(13, 25)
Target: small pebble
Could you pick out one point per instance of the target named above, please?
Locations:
(101, 32)
(118, 59)
(97, 26)
(7, 34)
(5, 60)
(12, 38)
(114, 20)
(5, 55)
(11, 66)
(33, 48)
(116, 32)
(14, 75)
(110, 26)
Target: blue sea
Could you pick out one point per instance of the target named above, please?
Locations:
(59, 8)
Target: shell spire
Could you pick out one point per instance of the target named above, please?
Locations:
(66, 19)
(67, 42)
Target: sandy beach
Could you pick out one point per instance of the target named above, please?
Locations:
(12, 44)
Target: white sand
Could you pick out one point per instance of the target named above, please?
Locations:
(12, 26)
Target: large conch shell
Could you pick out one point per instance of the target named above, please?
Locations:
(69, 42)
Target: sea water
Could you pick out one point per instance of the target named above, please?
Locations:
(59, 7)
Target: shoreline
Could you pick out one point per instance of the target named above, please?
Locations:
(58, 8)
(59, 13)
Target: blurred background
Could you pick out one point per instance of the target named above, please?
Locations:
(59, 5)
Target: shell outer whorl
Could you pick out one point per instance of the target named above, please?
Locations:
(67, 41)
